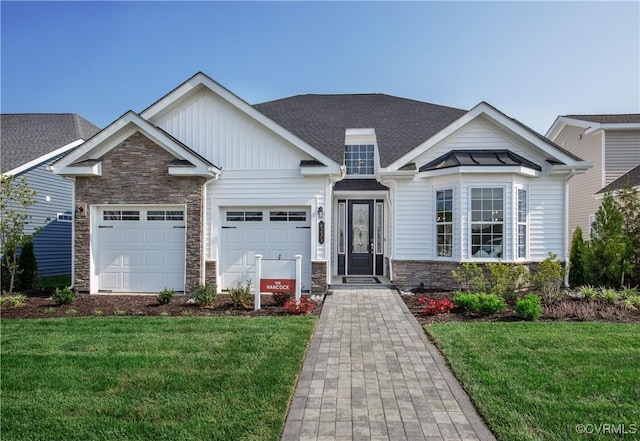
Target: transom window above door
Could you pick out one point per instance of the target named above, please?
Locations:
(358, 159)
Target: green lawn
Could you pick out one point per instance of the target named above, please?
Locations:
(539, 381)
(138, 378)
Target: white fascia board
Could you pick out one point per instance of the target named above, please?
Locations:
(331, 170)
(200, 80)
(473, 170)
(398, 174)
(39, 160)
(613, 126)
(84, 170)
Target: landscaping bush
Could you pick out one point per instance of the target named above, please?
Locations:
(529, 307)
(609, 295)
(164, 297)
(479, 303)
(576, 259)
(548, 278)
(470, 277)
(205, 295)
(241, 295)
(505, 279)
(12, 300)
(589, 292)
(27, 266)
(63, 296)
(280, 298)
(433, 307)
(304, 306)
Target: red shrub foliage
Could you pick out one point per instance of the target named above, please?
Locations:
(434, 307)
(305, 306)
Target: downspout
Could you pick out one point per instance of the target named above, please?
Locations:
(203, 221)
(73, 229)
(566, 226)
(391, 199)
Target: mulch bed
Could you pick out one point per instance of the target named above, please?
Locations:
(562, 311)
(135, 305)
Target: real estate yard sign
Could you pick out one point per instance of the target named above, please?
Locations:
(278, 276)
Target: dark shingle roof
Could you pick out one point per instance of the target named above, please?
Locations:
(27, 136)
(321, 120)
(608, 119)
(629, 179)
(359, 185)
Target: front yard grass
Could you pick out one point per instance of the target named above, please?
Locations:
(541, 381)
(149, 378)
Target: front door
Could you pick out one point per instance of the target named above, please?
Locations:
(360, 245)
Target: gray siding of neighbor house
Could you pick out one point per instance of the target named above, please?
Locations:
(52, 244)
(622, 153)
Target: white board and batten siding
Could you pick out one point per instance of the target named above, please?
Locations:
(621, 154)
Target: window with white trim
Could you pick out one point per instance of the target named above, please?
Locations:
(444, 223)
(358, 159)
(487, 222)
(244, 216)
(523, 215)
(121, 215)
(64, 217)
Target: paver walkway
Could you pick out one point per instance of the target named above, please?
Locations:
(371, 374)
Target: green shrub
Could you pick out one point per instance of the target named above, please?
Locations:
(629, 292)
(505, 279)
(28, 267)
(241, 295)
(165, 296)
(205, 295)
(479, 303)
(280, 298)
(609, 295)
(97, 312)
(470, 277)
(529, 307)
(576, 258)
(589, 292)
(548, 278)
(71, 311)
(12, 300)
(63, 296)
(49, 310)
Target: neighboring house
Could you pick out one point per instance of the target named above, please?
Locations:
(611, 143)
(190, 189)
(631, 179)
(30, 143)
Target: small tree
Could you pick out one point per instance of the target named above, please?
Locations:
(628, 202)
(606, 259)
(15, 199)
(27, 265)
(576, 259)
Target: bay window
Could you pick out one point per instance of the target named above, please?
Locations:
(487, 222)
(444, 223)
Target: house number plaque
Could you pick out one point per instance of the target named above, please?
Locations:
(321, 232)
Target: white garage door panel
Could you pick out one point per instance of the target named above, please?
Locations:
(242, 240)
(140, 255)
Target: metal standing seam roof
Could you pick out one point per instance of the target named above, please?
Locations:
(474, 158)
(27, 136)
(321, 120)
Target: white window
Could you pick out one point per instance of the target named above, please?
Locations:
(244, 216)
(523, 215)
(358, 158)
(288, 216)
(64, 217)
(165, 215)
(487, 222)
(444, 223)
(121, 215)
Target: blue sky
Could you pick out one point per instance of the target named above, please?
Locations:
(532, 60)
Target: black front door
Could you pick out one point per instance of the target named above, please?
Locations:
(360, 245)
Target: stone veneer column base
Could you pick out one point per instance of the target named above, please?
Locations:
(210, 268)
(318, 276)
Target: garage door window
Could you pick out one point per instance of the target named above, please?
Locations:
(120, 215)
(165, 215)
(244, 216)
(287, 216)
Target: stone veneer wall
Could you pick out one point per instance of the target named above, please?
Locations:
(136, 172)
(318, 276)
(210, 268)
(409, 274)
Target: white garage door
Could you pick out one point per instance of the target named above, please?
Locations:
(140, 249)
(274, 233)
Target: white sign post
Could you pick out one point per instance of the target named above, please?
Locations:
(256, 301)
(298, 277)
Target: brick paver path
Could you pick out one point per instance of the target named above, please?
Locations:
(371, 374)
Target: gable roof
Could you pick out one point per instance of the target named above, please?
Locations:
(86, 160)
(629, 179)
(321, 120)
(25, 137)
(593, 123)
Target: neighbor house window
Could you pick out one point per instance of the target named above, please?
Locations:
(358, 158)
(487, 222)
(444, 223)
(522, 222)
